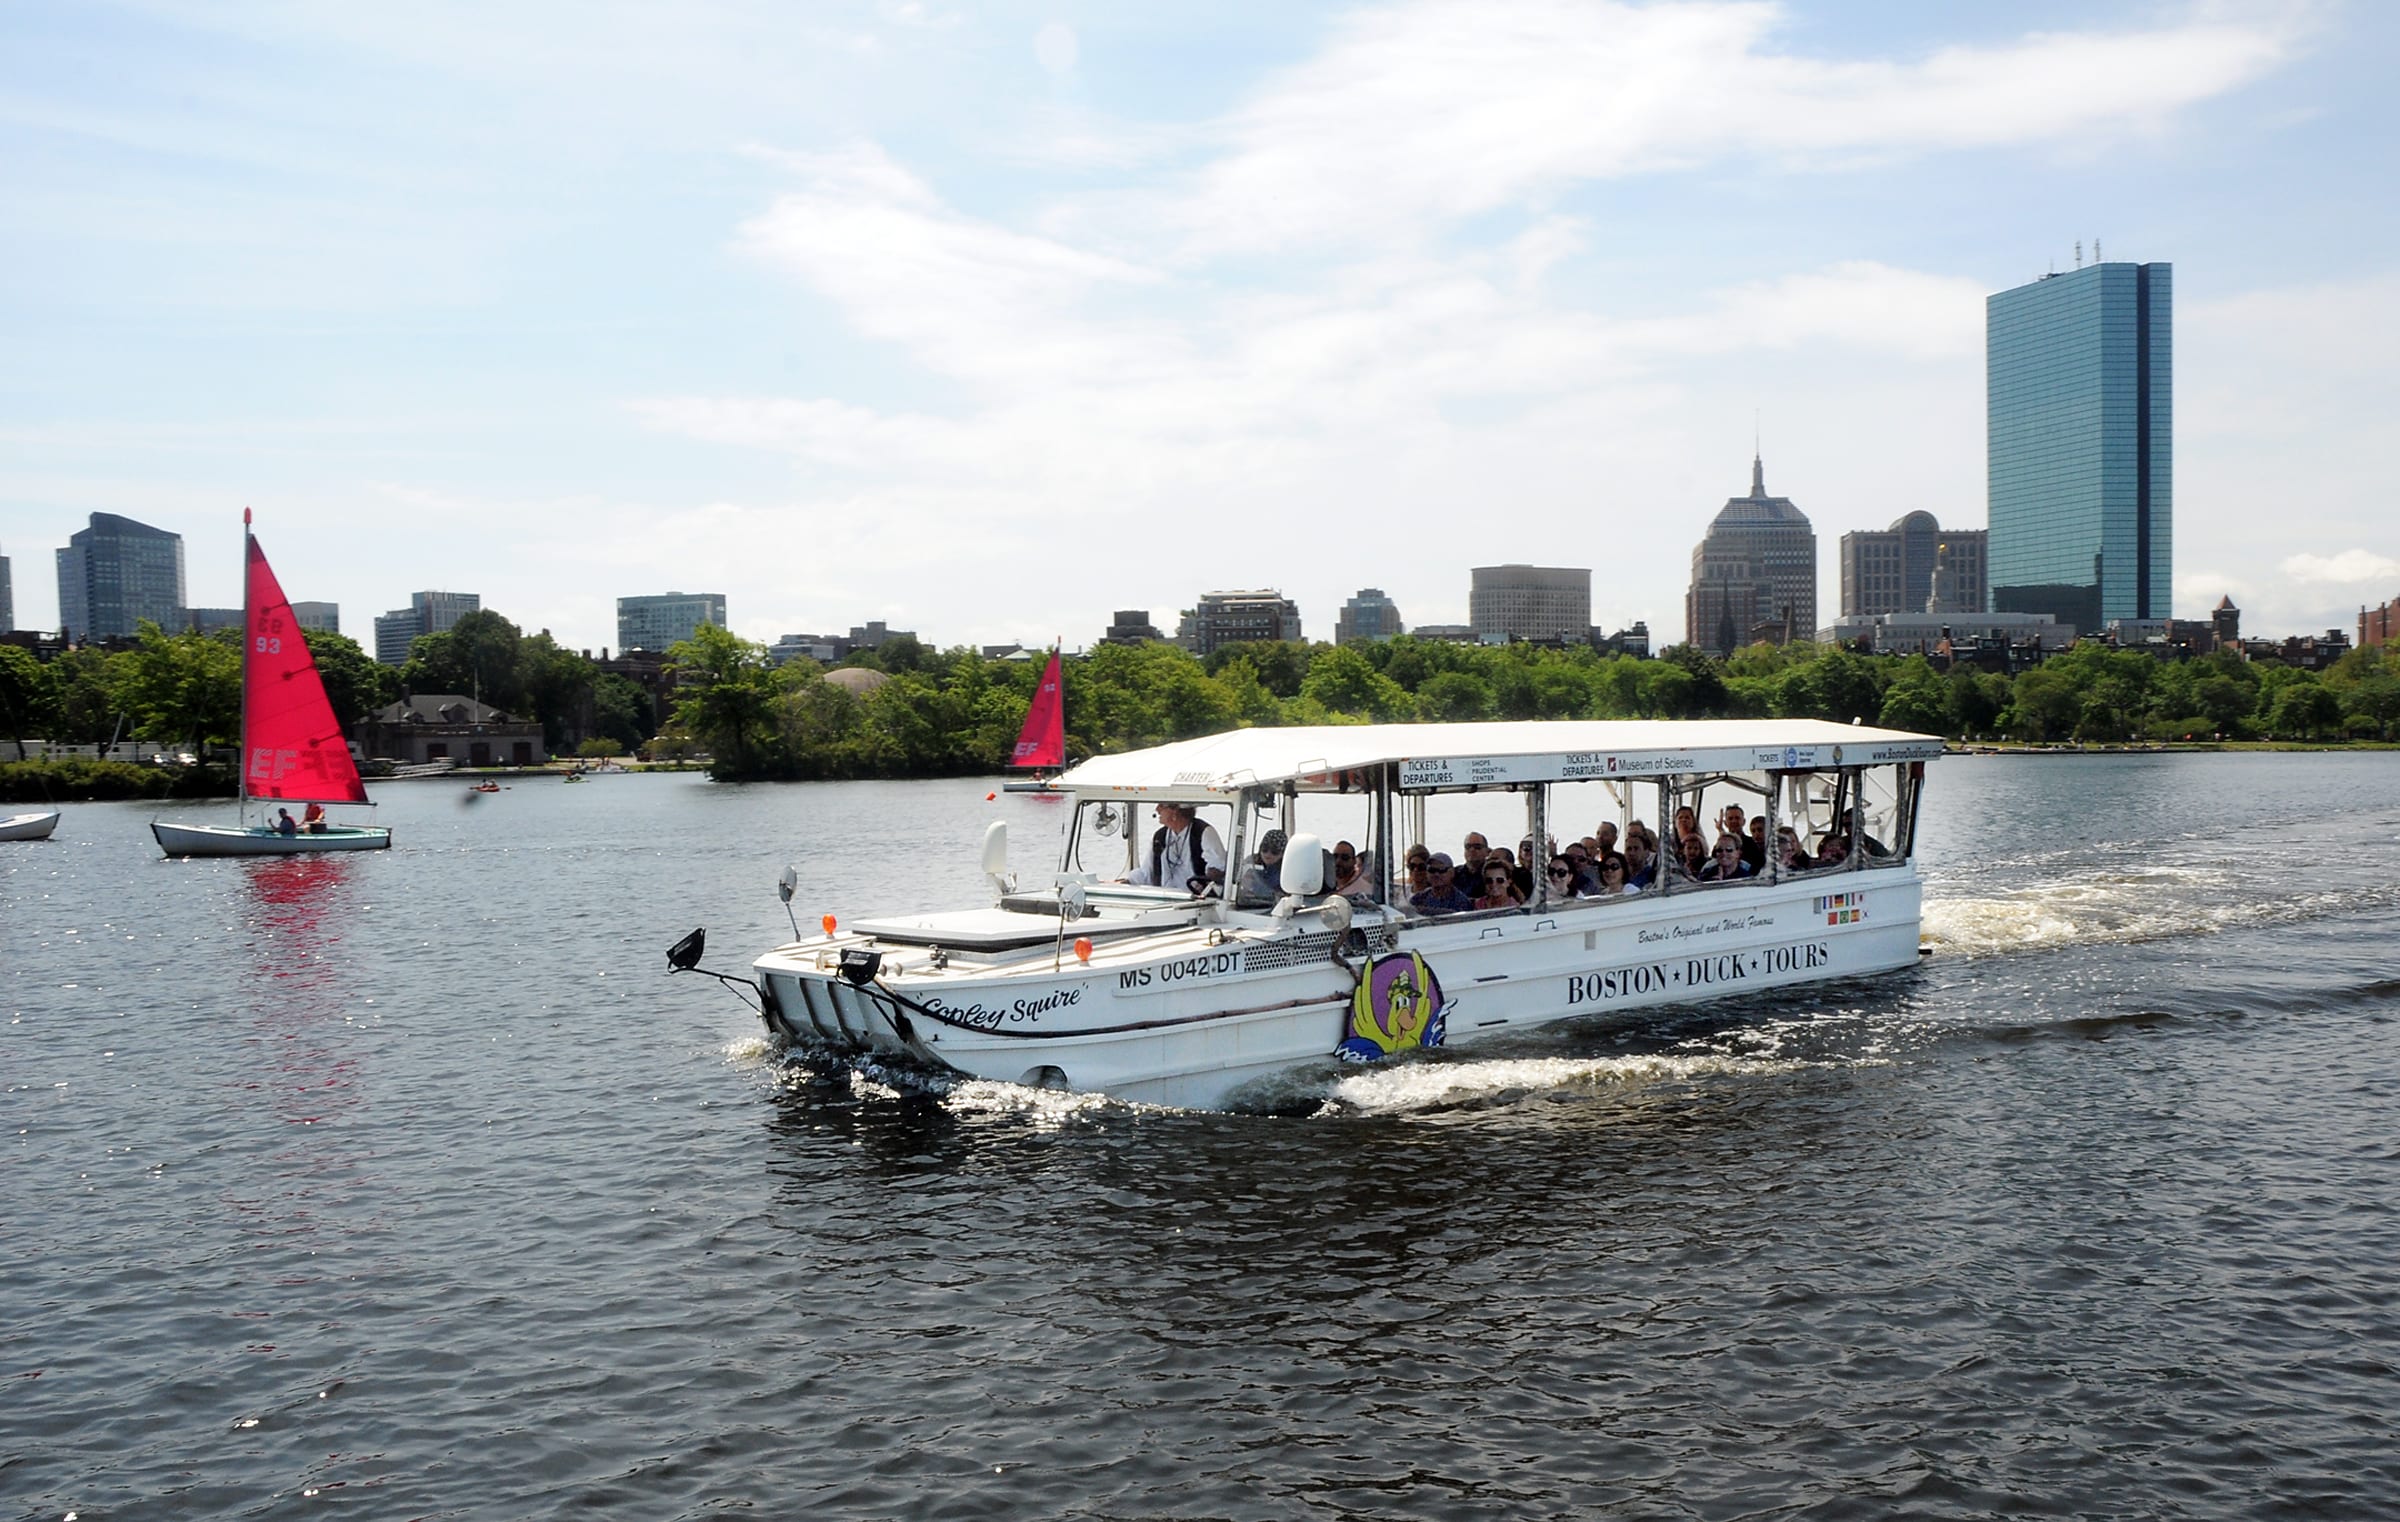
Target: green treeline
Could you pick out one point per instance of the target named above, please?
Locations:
(954, 712)
(183, 693)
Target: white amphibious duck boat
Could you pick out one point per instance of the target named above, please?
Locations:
(1086, 982)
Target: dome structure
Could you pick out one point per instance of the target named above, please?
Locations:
(857, 680)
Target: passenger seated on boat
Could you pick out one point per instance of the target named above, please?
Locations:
(1730, 823)
(312, 819)
(1691, 856)
(1418, 862)
(1262, 880)
(1788, 855)
(1726, 862)
(1755, 852)
(285, 824)
(1833, 850)
(1350, 876)
(1471, 855)
(1184, 853)
(1641, 859)
(1613, 874)
(1579, 856)
(1687, 826)
(1559, 877)
(1519, 875)
(1499, 886)
(1442, 896)
(1604, 837)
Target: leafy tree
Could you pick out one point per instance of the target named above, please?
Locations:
(2304, 710)
(355, 683)
(1341, 681)
(1453, 696)
(476, 656)
(1704, 694)
(2045, 704)
(621, 711)
(182, 689)
(1917, 700)
(28, 697)
(87, 705)
(724, 700)
(1977, 699)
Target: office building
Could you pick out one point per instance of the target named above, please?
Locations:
(2379, 625)
(115, 573)
(1754, 573)
(1916, 632)
(1231, 618)
(324, 617)
(1893, 570)
(1537, 602)
(426, 613)
(663, 621)
(2079, 403)
(1131, 626)
(1368, 615)
(8, 600)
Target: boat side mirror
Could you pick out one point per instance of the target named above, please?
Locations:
(1304, 866)
(786, 884)
(685, 954)
(995, 848)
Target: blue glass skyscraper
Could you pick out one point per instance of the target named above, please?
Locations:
(2080, 410)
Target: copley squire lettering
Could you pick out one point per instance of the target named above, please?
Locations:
(984, 1017)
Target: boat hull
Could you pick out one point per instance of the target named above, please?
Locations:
(28, 826)
(229, 840)
(1194, 1017)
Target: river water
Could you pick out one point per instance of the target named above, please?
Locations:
(406, 1185)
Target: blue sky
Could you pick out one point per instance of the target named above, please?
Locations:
(988, 320)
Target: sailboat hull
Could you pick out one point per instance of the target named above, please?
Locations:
(229, 840)
(28, 826)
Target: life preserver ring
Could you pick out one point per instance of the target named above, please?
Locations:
(1396, 1007)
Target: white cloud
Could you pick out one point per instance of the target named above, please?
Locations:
(1420, 114)
(2345, 567)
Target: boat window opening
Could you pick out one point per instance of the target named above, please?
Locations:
(1886, 817)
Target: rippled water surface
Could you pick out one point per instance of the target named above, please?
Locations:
(404, 1185)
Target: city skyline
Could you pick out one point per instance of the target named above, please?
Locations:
(892, 312)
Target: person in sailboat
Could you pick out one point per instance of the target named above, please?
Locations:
(285, 824)
(312, 819)
(1184, 853)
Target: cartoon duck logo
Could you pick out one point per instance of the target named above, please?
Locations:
(1397, 1006)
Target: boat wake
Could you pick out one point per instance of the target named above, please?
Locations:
(2127, 908)
(1417, 1087)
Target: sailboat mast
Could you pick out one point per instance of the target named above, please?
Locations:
(241, 760)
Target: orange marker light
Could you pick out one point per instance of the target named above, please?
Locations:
(827, 922)
(988, 797)
(1083, 948)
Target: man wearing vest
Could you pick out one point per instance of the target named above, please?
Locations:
(1184, 853)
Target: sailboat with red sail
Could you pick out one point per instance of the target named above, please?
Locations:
(1042, 743)
(293, 751)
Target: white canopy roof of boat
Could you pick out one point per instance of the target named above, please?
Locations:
(1432, 757)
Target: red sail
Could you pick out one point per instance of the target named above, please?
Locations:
(1043, 741)
(292, 748)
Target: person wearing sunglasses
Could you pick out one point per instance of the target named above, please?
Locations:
(1725, 862)
(1350, 878)
(1442, 895)
(1613, 873)
(1561, 880)
(1499, 886)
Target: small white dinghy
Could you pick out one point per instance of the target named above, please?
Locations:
(28, 826)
